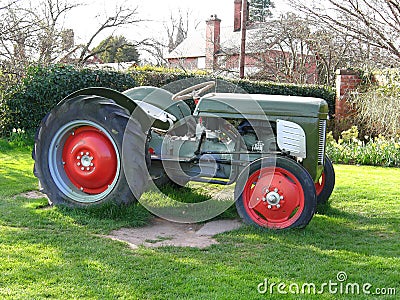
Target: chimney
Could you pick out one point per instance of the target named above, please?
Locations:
(212, 41)
(237, 15)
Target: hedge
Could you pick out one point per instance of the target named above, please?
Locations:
(25, 104)
(305, 90)
(159, 77)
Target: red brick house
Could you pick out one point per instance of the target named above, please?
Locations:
(217, 49)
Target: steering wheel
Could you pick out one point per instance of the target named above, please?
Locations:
(193, 91)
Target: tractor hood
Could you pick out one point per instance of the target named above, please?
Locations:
(252, 105)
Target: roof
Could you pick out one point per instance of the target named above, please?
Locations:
(195, 45)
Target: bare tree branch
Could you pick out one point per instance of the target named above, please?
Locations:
(122, 17)
(176, 30)
(372, 22)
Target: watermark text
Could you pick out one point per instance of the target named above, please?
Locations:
(338, 286)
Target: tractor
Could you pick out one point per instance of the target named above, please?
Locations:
(98, 145)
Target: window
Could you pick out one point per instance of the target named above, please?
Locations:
(201, 63)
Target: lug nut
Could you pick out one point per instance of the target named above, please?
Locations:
(278, 205)
(269, 206)
(82, 168)
(276, 190)
(78, 164)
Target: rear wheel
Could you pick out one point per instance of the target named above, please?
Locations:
(78, 153)
(326, 183)
(276, 196)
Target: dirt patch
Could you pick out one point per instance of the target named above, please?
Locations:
(165, 233)
(32, 195)
(161, 232)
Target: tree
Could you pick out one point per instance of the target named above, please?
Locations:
(337, 51)
(176, 30)
(116, 49)
(377, 105)
(331, 52)
(373, 23)
(32, 33)
(122, 16)
(282, 51)
(35, 33)
(260, 10)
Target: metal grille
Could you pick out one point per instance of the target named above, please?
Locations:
(322, 138)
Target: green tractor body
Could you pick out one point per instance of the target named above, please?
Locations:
(271, 147)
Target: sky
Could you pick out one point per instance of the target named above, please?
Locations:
(86, 18)
(83, 19)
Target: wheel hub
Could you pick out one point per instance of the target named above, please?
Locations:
(273, 199)
(89, 160)
(85, 161)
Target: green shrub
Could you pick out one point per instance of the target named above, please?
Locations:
(24, 105)
(273, 88)
(378, 151)
(377, 104)
(157, 76)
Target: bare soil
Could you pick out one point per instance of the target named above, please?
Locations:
(32, 195)
(161, 232)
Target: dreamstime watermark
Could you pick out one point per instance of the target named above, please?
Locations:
(339, 286)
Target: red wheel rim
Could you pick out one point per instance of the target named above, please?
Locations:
(90, 161)
(273, 198)
(319, 186)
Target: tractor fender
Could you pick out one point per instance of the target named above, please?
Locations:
(144, 112)
(118, 97)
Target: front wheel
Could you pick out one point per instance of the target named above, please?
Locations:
(326, 183)
(275, 194)
(78, 153)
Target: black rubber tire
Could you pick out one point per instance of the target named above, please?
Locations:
(299, 172)
(113, 120)
(329, 184)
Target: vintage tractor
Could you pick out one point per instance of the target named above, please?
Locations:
(98, 145)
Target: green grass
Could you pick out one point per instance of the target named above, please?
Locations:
(58, 253)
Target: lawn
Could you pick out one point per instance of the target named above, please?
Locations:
(60, 253)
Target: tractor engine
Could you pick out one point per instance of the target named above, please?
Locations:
(258, 136)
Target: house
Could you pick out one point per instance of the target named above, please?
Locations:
(217, 49)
